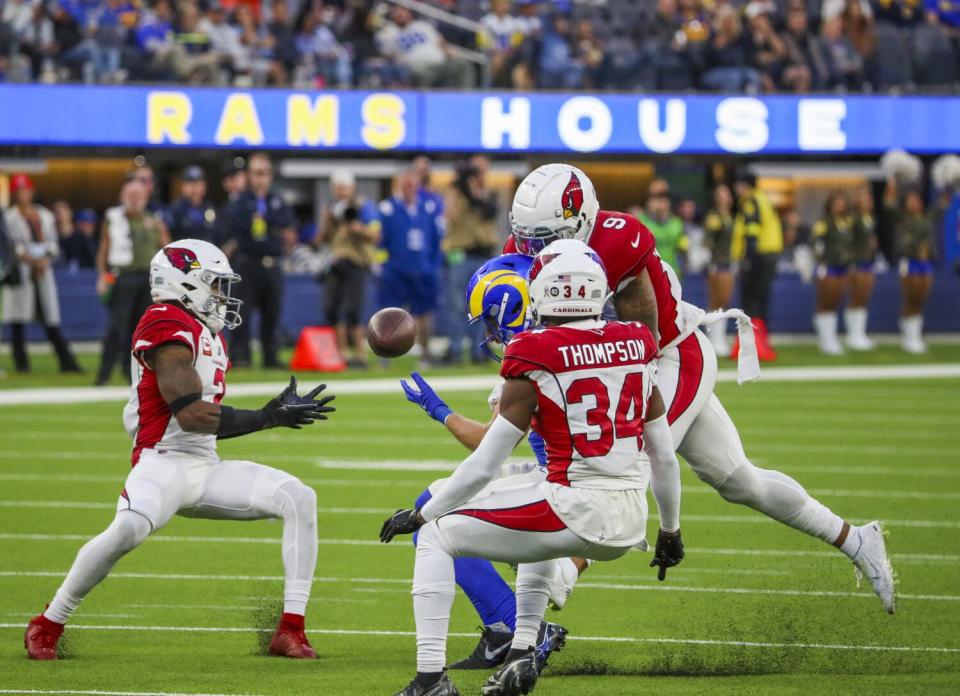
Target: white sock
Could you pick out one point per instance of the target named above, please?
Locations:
(298, 509)
(95, 561)
(856, 320)
(717, 332)
(434, 587)
(826, 326)
(851, 545)
(533, 591)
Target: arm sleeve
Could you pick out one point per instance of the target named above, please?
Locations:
(664, 472)
(475, 471)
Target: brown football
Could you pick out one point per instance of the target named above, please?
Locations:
(391, 332)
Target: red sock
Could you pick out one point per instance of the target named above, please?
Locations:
(294, 621)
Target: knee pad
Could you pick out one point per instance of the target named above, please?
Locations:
(129, 529)
(301, 496)
(743, 486)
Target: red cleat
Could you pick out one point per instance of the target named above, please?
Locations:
(42, 637)
(765, 351)
(289, 640)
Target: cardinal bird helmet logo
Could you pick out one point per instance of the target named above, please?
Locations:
(572, 198)
(182, 259)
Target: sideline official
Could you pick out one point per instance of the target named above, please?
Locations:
(252, 229)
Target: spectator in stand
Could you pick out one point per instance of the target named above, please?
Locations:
(351, 230)
(757, 245)
(79, 248)
(858, 28)
(324, 60)
(901, 13)
(129, 238)
(214, 37)
(665, 54)
(115, 20)
(33, 233)
(417, 47)
(666, 227)
(718, 226)
(844, 64)
(283, 53)
(502, 36)
(592, 54)
(729, 57)
(833, 247)
(412, 233)
(914, 237)
(768, 49)
(806, 67)
(67, 36)
(192, 216)
(471, 239)
(861, 272)
(32, 33)
(252, 229)
(558, 66)
(166, 57)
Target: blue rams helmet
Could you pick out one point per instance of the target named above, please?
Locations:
(497, 295)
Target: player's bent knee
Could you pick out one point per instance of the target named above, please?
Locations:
(129, 529)
(301, 496)
(743, 486)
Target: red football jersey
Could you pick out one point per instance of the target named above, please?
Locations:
(593, 381)
(146, 417)
(626, 247)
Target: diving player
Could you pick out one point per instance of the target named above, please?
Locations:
(175, 418)
(558, 201)
(588, 388)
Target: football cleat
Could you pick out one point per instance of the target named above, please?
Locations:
(492, 649)
(42, 637)
(444, 687)
(551, 639)
(291, 641)
(561, 585)
(872, 562)
(516, 677)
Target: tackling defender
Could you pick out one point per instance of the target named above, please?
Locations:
(175, 418)
(558, 201)
(588, 387)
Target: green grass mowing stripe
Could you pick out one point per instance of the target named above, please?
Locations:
(611, 639)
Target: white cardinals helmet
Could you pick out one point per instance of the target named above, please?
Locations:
(567, 279)
(555, 201)
(197, 275)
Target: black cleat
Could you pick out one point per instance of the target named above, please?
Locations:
(492, 649)
(516, 677)
(551, 638)
(444, 687)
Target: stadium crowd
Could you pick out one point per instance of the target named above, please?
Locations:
(422, 245)
(752, 46)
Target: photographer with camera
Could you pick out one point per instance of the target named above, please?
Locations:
(351, 230)
(470, 241)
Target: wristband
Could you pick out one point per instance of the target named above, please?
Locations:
(241, 421)
(182, 402)
(441, 413)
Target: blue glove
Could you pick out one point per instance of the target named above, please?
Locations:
(427, 399)
(539, 447)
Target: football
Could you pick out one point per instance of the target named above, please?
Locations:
(391, 332)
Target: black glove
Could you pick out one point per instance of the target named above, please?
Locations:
(289, 410)
(401, 522)
(669, 552)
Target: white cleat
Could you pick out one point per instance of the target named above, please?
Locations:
(561, 585)
(872, 562)
(861, 344)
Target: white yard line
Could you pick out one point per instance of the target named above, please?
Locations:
(608, 639)
(581, 585)
(77, 395)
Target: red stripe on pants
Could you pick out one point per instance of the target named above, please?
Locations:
(690, 355)
(533, 517)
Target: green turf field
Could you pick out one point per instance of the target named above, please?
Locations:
(755, 608)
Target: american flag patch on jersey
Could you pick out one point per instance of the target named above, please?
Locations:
(564, 278)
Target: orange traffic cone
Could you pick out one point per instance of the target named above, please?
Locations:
(317, 351)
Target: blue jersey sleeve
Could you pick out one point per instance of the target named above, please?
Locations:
(368, 213)
(538, 446)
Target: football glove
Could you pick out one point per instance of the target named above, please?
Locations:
(427, 399)
(290, 410)
(401, 522)
(668, 553)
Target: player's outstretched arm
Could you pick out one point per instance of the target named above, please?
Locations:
(467, 431)
(665, 481)
(182, 389)
(516, 409)
(638, 302)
